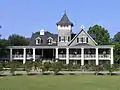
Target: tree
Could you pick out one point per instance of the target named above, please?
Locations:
(117, 37)
(117, 52)
(3, 47)
(17, 40)
(102, 35)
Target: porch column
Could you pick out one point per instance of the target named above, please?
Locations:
(112, 60)
(82, 56)
(97, 61)
(56, 53)
(10, 54)
(33, 54)
(24, 55)
(67, 55)
(42, 53)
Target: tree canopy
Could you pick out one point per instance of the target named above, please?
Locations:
(17, 40)
(102, 35)
(116, 37)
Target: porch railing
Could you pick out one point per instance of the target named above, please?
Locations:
(62, 55)
(17, 56)
(104, 56)
(74, 56)
(89, 55)
(101, 56)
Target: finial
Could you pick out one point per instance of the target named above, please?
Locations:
(65, 11)
(82, 27)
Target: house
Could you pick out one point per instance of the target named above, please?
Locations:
(64, 46)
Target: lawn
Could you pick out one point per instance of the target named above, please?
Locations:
(64, 82)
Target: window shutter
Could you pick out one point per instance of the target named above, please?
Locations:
(86, 39)
(77, 40)
(64, 38)
(59, 38)
(68, 38)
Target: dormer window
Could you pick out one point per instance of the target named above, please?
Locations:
(38, 41)
(50, 41)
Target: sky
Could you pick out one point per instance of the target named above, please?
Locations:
(25, 17)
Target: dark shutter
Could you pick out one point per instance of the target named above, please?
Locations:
(59, 38)
(86, 39)
(77, 40)
(68, 38)
(64, 38)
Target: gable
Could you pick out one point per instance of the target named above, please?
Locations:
(82, 38)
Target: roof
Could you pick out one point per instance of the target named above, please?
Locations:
(44, 38)
(65, 20)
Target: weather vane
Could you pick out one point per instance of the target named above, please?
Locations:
(82, 27)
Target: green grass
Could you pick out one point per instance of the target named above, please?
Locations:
(65, 82)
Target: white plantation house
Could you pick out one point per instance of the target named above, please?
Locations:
(64, 46)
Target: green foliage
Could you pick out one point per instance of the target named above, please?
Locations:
(13, 66)
(111, 68)
(46, 66)
(102, 35)
(97, 68)
(3, 47)
(37, 65)
(117, 37)
(117, 52)
(56, 67)
(17, 40)
(1, 68)
(28, 66)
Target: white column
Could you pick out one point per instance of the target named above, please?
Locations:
(24, 55)
(97, 62)
(33, 54)
(67, 55)
(42, 53)
(112, 60)
(10, 54)
(82, 56)
(56, 53)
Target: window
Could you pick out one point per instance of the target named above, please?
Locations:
(38, 40)
(62, 38)
(84, 40)
(81, 40)
(50, 41)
